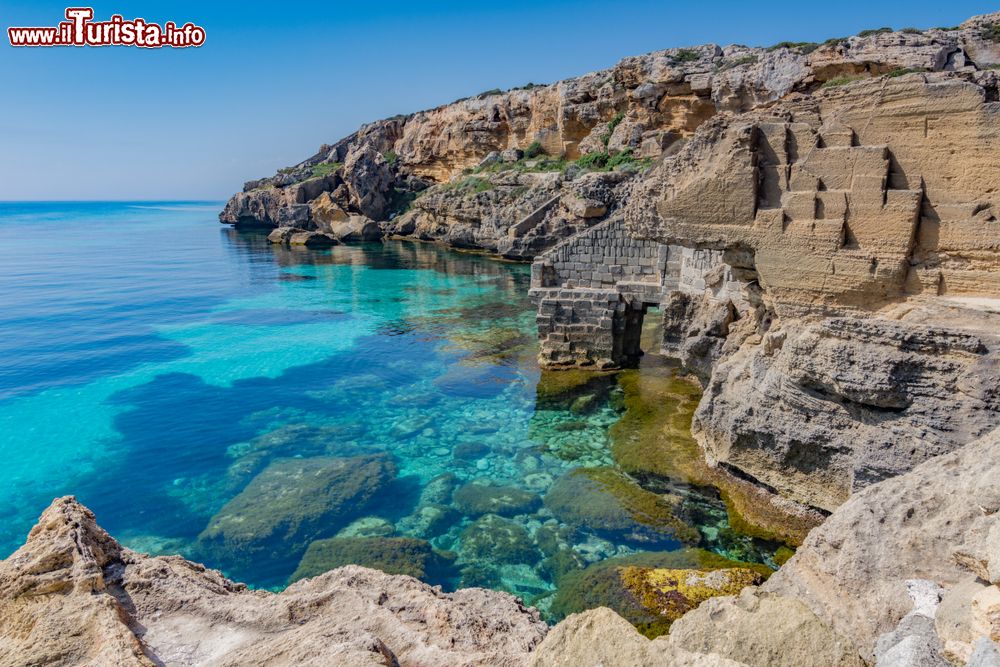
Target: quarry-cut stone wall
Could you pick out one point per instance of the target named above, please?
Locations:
(593, 290)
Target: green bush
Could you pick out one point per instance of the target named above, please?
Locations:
(534, 149)
(684, 56)
(802, 47)
(876, 31)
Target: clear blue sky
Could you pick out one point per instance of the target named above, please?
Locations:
(276, 79)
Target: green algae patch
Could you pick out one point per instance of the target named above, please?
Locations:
(668, 594)
(290, 504)
(638, 586)
(607, 501)
(476, 498)
(392, 555)
(653, 437)
(493, 540)
(559, 388)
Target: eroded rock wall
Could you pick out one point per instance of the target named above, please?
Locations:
(646, 107)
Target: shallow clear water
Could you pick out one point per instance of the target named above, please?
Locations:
(153, 363)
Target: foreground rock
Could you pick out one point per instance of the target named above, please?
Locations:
(602, 638)
(72, 596)
(859, 582)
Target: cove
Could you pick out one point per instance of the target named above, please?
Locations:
(275, 413)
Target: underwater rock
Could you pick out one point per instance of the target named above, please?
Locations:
(496, 540)
(368, 526)
(470, 451)
(557, 389)
(653, 437)
(606, 501)
(428, 521)
(653, 589)
(392, 555)
(438, 491)
(290, 504)
(299, 439)
(478, 498)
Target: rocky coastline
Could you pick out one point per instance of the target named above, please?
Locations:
(815, 228)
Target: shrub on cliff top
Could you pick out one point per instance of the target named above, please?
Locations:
(684, 56)
(802, 47)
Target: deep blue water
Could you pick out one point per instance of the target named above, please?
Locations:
(146, 352)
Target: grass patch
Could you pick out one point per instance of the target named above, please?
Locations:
(876, 31)
(841, 81)
(325, 168)
(602, 161)
(684, 56)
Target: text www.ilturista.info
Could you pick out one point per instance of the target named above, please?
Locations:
(80, 30)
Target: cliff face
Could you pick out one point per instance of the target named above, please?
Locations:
(641, 110)
(827, 264)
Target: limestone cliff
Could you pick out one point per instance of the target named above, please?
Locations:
(498, 170)
(827, 264)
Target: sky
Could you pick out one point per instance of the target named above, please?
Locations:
(274, 80)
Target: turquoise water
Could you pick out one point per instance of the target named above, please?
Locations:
(154, 364)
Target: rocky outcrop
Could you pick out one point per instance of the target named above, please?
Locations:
(843, 309)
(493, 162)
(73, 596)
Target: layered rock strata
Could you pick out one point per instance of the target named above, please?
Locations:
(843, 313)
(499, 171)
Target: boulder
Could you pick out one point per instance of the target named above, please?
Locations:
(602, 638)
(763, 630)
(291, 503)
(356, 229)
(477, 498)
(392, 555)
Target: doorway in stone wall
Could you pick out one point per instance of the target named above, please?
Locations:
(641, 332)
